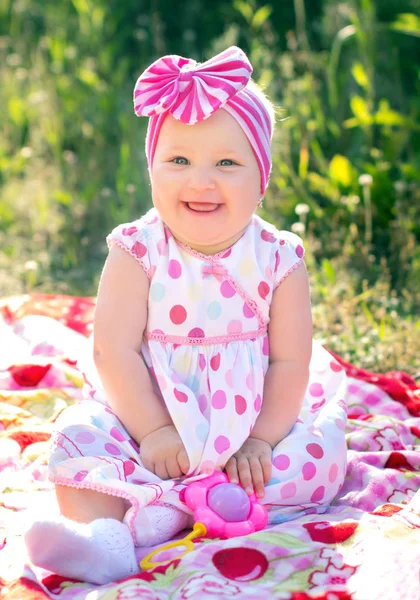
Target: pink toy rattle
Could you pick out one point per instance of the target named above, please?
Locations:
(221, 509)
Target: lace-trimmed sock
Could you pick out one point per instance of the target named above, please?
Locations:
(98, 552)
(159, 523)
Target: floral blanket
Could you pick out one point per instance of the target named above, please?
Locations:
(366, 546)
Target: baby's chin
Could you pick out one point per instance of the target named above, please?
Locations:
(207, 244)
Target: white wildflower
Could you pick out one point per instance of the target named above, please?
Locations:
(31, 265)
(302, 209)
(365, 179)
(26, 152)
(298, 228)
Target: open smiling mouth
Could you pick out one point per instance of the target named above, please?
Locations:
(202, 207)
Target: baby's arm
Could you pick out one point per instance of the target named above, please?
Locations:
(290, 340)
(119, 324)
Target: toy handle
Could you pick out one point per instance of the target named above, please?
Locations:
(199, 530)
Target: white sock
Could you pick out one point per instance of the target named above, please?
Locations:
(159, 523)
(99, 552)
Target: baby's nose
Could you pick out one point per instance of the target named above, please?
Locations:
(201, 179)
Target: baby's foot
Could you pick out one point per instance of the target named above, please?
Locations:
(159, 523)
(98, 552)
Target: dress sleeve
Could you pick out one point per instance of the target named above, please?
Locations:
(288, 255)
(131, 238)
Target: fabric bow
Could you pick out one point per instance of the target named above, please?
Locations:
(217, 270)
(190, 91)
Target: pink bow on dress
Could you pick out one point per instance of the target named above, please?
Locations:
(191, 92)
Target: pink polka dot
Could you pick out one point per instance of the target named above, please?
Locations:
(174, 269)
(227, 290)
(129, 230)
(316, 389)
(161, 245)
(299, 251)
(161, 381)
(372, 399)
(277, 263)
(215, 362)
(332, 475)
(180, 396)
(315, 450)
(80, 476)
(196, 333)
(318, 494)
(263, 289)
(129, 467)
(227, 253)
(267, 236)
(158, 332)
(175, 378)
(247, 312)
(229, 378)
(335, 367)
(266, 347)
(250, 381)
(268, 273)
(207, 466)
(219, 399)
(240, 404)
(340, 424)
(308, 471)
(258, 403)
(134, 445)
(202, 362)
(178, 314)
(221, 443)
(288, 490)
(139, 249)
(116, 434)
(282, 462)
(84, 437)
(234, 326)
(168, 234)
(202, 403)
(112, 449)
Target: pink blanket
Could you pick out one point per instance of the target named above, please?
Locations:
(365, 547)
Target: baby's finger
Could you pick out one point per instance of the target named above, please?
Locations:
(245, 474)
(267, 466)
(172, 467)
(183, 462)
(159, 468)
(231, 470)
(257, 476)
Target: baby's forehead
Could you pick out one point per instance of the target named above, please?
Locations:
(220, 132)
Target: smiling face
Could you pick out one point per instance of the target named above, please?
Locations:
(205, 181)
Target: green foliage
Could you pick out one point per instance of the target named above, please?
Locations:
(346, 148)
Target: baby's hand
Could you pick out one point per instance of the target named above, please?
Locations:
(251, 466)
(163, 453)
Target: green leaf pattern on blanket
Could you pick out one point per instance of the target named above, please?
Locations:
(284, 540)
(298, 581)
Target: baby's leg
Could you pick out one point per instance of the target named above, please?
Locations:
(88, 542)
(85, 506)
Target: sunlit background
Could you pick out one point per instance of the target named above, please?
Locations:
(345, 77)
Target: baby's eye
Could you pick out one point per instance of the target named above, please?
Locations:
(180, 160)
(226, 162)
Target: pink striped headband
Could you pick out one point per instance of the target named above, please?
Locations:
(191, 92)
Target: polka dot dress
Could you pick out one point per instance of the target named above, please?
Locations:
(207, 351)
